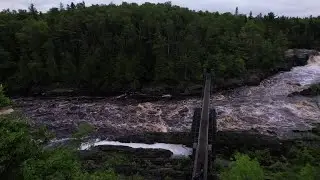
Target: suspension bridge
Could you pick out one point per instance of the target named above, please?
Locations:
(204, 136)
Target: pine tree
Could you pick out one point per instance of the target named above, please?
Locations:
(250, 15)
(236, 11)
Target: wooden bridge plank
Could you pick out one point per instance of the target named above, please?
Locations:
(200, 169)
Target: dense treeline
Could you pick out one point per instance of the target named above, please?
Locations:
(107, 48)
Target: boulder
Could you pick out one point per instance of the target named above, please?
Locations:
(299, 57)
(228, 142)
(313, 90)
(140, 152)
(253, 80)
(193, 90)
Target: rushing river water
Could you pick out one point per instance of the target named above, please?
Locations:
(265, 108)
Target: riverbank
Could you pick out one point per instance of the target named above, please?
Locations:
(270, 152)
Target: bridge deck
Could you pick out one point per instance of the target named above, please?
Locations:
(203, 134)
(211, 134)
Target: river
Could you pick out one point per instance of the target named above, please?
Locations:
(265, 108)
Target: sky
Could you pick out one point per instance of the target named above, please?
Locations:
(279, 7)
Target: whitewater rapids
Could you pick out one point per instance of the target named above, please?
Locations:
(266, 109)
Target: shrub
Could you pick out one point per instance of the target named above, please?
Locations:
(16, 146)
(309, 172)
(4, 101)
(51, 164)
(243, 168)
(23, 157)
(84, 129)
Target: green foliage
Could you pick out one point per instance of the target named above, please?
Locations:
(84, 129)
(4, 101)
(300, 163)
(115, 159)
(42, 134)
(108, 48)
(309, 172)
(22, 156)
(61, 164)
(102, 175)
(244, 168)
(52, 164)
(16, 145)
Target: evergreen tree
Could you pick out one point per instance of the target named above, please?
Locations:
(115, 48)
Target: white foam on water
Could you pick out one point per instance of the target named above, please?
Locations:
(6, 111)
(176, 149)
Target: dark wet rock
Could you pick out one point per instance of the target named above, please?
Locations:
(316, 129)
(228, 142)
(81, 115)
(150, 163)
(74, 108)
(152, 112)
(183, 111)
(193, 90)
(231, 83)
(159, 164)
(151, 138)
(295, 84)
(146, 153)
(253, 80)
(306, 92)
(307, 138)
(135, 161)
(52, 106)
(59, 92)
(49, 119)
(299, 57)
(155, 90)
(313, 90)
(271, 132)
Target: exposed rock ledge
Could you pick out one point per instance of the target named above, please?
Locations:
(313, 90)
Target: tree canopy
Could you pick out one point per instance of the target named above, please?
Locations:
(108, 48)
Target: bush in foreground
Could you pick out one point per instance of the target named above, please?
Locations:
(22, 156)
(243, 168)
(4, 101)
(300, 163)
(16, 146)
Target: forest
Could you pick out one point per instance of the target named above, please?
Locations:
(128, 47)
